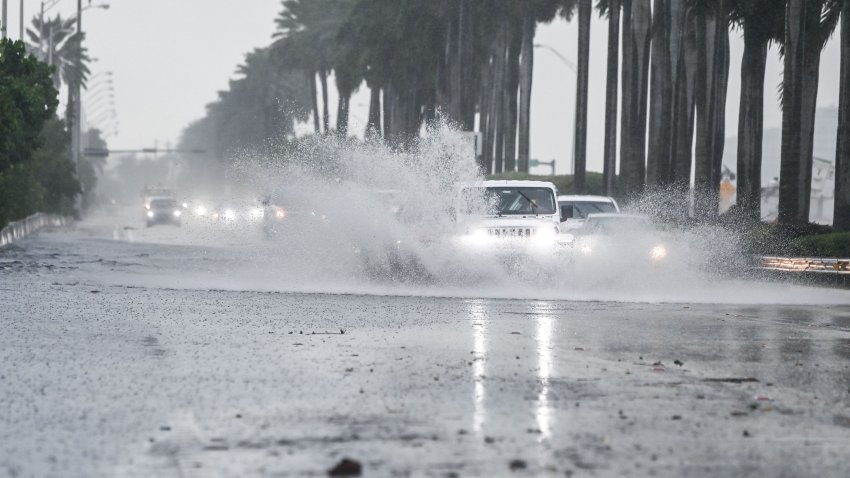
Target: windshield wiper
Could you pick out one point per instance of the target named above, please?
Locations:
(533, 205)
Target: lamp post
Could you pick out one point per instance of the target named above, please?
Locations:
(76, 136)
(5, 14)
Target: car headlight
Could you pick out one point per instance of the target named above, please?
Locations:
(658, 252)
(476, 237)
(200, 211)
(585, 246)
(150, 213)
(279, 213)
(177, 213)
(229, 214)
(185, 205)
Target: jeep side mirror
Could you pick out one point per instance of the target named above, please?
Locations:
(566, 213)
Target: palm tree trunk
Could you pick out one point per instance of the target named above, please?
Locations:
(454, 63)
(841, 212)
(751, 123)
(609, 167)
(794, 189)
(660, 91)
(637, 25)
(510, 95)
(387, 106)
(712, 80)
(580, 139)
(326, 118)
(684, 110)
(486, 118)
(497, 105)
(525, 75)
(342, 113)
(311, 81)
(373, 127)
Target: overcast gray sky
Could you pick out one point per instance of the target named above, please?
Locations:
(170, 57)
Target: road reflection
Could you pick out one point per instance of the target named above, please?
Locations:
(478, 317)
(543, 409)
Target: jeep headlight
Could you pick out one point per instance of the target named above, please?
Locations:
(585, 246)
(658, 252)
(476, 237)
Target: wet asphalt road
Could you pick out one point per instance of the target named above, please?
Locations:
(112, 365)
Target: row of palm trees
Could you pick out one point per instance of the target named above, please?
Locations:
(472, 62)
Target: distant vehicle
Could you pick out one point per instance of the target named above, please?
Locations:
(620, 239)
(575, 209)
(509, 214)
(163, 211)
(238, 212)
(152, 192)
(286, 205)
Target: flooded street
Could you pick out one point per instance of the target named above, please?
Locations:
(109, 370)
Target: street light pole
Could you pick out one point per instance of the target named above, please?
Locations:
(22, 20)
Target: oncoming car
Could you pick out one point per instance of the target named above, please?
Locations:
(620, 240)
(575, 209)
(163, 211)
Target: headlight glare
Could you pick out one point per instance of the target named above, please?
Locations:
(658, 252)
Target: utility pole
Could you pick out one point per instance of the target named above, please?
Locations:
(3, 21)
(22, 20)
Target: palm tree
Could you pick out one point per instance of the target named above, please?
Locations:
(307, 31)
(668, 75)
(808, 25)
(762, 22)
(580, 139)
(637, 21)
(526, 66)
(841, 212)
(609, 168)
(711, 84)
(57, 43)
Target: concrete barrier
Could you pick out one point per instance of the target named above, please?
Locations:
(20, 229)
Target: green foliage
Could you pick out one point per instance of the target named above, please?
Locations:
(836, 244)
(27, 100)
(779, 239)
(55, 171)
(35, 169)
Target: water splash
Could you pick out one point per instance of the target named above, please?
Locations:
(365, 218)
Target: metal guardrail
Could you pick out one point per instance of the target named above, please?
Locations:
(20, 229)
(806, 264)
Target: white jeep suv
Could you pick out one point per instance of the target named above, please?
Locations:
(507, 214)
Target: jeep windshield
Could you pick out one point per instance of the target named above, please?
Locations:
(504, 201)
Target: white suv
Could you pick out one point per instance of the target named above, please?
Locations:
(514, 214)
